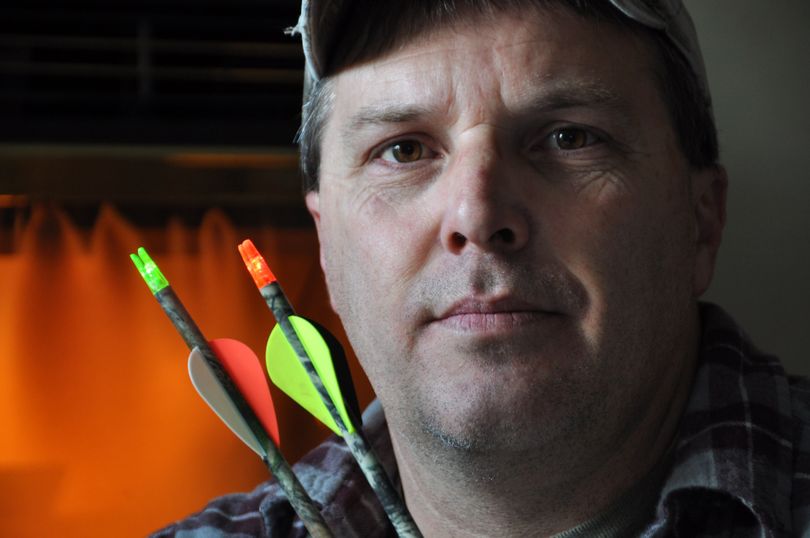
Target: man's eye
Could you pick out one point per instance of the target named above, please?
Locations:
(571, 138)
(404, 151)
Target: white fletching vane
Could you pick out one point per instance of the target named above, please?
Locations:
(214, 394)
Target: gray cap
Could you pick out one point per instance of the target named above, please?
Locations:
(321, 19)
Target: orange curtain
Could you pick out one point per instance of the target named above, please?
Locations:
(101, 432)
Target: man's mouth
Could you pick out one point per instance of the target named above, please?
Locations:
(492, 316)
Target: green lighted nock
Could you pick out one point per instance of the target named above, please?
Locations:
(149, 271)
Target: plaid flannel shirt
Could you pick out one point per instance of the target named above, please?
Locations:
(741, 461)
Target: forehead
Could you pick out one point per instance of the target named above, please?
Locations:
(502, 61)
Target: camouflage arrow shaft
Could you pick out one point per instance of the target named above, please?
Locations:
(377, 478)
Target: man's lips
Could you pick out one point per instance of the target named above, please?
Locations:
(476, 315)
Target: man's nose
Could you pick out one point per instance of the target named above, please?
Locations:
(484, 206)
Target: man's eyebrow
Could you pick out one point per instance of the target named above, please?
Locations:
(582, 94)
(562, 94)
(385, 113)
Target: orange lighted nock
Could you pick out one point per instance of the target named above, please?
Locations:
(256, 266)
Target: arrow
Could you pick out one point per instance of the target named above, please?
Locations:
(274, 296)
(215, 375)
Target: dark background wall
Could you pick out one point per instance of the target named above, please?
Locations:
(758, 59)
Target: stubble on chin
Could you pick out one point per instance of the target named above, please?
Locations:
(495, 421)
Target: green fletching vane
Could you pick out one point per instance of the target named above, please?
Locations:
(149, 270)
(288, 374)
(343, 372)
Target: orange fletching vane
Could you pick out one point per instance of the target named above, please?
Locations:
(256, 266)
(247, 373)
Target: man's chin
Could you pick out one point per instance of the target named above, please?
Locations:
(489, 407)
(480, 422)
(452, 440)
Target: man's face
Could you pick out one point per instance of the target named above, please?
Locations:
(508, 232)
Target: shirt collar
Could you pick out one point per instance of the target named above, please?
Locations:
(734, 439)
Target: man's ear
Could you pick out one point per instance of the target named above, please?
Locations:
(709, 188)
(313, 202)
